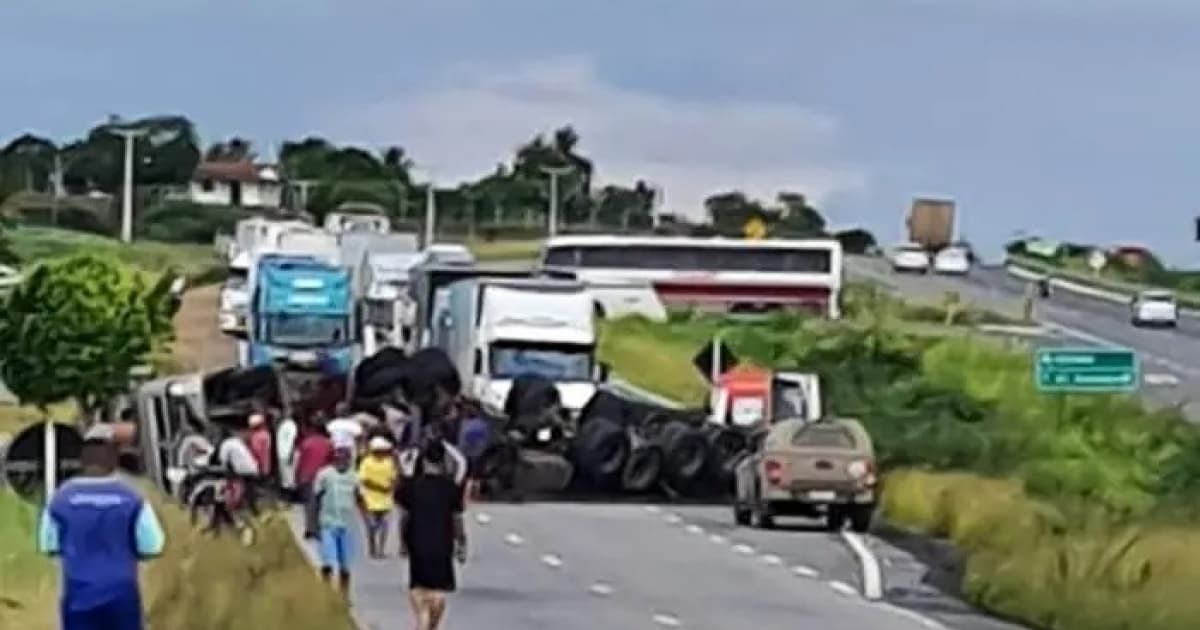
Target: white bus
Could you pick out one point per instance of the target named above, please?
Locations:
(711, 274)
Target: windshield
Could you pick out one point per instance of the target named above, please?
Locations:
(1158, 297)
(557, 362)
(305, 330)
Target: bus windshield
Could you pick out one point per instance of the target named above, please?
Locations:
(305, 330)
(557, 362)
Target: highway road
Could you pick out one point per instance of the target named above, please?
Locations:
(586, 566)
(1165, 355)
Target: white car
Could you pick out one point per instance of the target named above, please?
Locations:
(1154, 308)
(952, 260)
(910, 258)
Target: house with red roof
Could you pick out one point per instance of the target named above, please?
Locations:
(241, 183)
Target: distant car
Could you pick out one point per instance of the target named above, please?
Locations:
(1154, 308)
(910, 257)
(952, 260)
(804, 468)
(9, 277)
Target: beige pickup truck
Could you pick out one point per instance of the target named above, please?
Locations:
(823, 469)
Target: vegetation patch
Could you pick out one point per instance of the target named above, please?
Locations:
(1073, 512)
(37, 244)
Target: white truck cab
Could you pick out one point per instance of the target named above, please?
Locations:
(495, 329)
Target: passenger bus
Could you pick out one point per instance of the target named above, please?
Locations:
(710, 274)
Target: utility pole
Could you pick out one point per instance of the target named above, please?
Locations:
(304, 185)
(555, 172)
(430, 214)
(130, 135)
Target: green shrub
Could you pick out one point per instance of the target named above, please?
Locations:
(185, 222)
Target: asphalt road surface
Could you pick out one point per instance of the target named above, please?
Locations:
(1170, 359)
(590, 566)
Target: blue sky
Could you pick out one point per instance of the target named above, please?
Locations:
(1071, 119)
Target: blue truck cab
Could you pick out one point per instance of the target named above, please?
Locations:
(303, 314)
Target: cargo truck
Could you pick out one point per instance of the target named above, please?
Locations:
(931, 223)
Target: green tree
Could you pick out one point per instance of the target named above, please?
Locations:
(856, 241)
(27, 164)
(74, 328)
(797, 219)
(166, 155)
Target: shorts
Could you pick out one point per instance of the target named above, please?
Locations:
(337, 548)
(377, 520)
(120, 613)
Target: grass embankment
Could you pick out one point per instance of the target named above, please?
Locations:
(201, 582)
(1117, 281)
(35, 244)
(1074, 513)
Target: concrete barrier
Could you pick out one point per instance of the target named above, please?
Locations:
(1079, 288)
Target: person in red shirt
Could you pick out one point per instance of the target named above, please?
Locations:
(260, 444)
(316, 450)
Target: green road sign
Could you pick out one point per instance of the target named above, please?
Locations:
(1086, 370)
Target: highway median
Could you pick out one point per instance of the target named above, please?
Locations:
(1071, 512)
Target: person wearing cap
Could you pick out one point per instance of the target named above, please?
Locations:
(87, 524)
(336, 491)
(344, 429)
(377, 477)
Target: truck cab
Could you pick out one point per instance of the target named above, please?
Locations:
(303, 314)
(496, 329)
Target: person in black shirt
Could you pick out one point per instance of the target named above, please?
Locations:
(432, 531)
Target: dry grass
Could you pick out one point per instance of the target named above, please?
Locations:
(199, 345)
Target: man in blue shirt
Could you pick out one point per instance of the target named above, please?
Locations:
(100, 528)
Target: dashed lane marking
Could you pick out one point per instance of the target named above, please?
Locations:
(717, 538)
(669, 621)
(843, 588)
(601, 589)
(805, 571)
(483, 518)
(514, 539)
(552, 561)
(928, 622)
(653, 509)
(694, 529)
(744, 549)
(772, 559)
(674, 519)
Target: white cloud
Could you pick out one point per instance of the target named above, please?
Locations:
(476, 117)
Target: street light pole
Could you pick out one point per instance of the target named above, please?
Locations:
(127, 190)
(554, 173)
(430, 214)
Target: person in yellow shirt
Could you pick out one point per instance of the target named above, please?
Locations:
(377, 475)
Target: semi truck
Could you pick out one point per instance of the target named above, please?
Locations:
(931, 223)
(496, 329)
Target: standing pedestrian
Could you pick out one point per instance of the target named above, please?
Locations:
(473, 440)
(344, 429)
(100, 528)
(337, 495)
(315, 452)
(286, 437)
(433, 535)
(377, 475)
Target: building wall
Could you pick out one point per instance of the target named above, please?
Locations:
(254, 195)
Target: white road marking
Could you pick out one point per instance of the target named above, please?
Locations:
(514, 539)
(695, 529)
(483, 518)
(654, 509)
(772, 559)
(744, 549)
(843, 588)
(805, 571)
(552, 561)
(717, 538)
(674, 519)
(868, 564)
(601, 589)
(669, 621)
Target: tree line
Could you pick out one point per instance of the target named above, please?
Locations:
(511, 200)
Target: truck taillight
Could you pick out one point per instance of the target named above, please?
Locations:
(774, 472)
(862, 470)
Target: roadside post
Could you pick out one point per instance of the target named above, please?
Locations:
(41, 458)
(1097, 261)
(1065, 371)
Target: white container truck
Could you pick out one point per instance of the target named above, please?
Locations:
(495, 329)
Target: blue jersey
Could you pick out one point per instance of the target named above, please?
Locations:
(100, 527)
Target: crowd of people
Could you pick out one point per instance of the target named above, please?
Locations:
(406, 469)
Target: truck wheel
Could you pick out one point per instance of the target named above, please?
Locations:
(860, 518)
(642, 469)
(763, 518)
(835, 519)
(686, 453)
(601, 448)
(603, 404)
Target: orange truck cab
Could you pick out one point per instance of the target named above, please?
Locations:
(747, 396)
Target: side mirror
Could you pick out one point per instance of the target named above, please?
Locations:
(601, 372)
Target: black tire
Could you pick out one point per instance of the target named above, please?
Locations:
(531, 395)
(764, 518)
(382, 382)
(603, 404)
(686, 454)
(860, 518)
(741, 516)
(835, 519)
(430, 369)
(541, 472)
(384, 359)
(600, 450)
(642, 469)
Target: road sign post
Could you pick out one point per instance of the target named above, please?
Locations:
(1086, 370)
